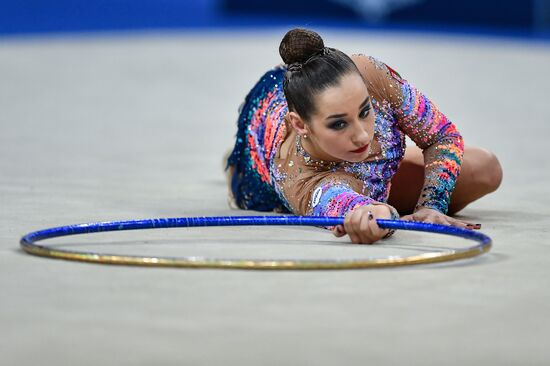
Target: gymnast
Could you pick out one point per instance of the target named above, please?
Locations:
(324, 134)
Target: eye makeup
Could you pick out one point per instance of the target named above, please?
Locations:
(337, 125)
(365, 112)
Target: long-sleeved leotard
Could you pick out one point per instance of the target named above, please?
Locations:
(265, 178)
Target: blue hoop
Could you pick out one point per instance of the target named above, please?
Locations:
(28, 243)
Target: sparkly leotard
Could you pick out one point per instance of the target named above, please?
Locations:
(264, 180)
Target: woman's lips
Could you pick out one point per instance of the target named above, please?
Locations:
(361, 149)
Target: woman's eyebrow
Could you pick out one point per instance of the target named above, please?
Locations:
(365, 102)
(337, 115)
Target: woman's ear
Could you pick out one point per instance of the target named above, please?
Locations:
(297, 123)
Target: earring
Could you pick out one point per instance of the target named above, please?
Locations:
(305, 136)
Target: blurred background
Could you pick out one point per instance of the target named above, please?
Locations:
(519, 18)
(123, 109)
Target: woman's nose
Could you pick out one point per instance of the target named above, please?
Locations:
(360, 136)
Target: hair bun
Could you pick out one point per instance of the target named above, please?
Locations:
(299, 44)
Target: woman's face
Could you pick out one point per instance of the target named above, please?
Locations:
(342, 128)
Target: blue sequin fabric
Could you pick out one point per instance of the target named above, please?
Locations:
(260, 130)
(264, 180)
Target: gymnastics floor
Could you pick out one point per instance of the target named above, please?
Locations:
(104, 127)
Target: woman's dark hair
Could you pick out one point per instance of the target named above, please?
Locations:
(312, 68)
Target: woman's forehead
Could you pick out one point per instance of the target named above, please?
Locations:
(348, 94)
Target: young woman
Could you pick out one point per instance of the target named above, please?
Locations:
(324, 135)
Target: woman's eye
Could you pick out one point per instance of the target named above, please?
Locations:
(365, 112)
(338, 125)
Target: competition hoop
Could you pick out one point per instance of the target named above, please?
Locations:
(28, 244)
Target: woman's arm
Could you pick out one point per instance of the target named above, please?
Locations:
(335, 196)
(442, 146)
(422, 121)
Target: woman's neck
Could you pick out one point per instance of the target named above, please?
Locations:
(314, 152)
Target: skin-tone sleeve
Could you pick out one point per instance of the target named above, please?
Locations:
(327, 193)
(420, 119)
(317, 188)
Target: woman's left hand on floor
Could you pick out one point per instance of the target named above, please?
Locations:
(432, 216)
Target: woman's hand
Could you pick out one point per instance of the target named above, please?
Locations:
(432, 216)
(360, 224)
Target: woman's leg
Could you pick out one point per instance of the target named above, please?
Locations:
(480, 174)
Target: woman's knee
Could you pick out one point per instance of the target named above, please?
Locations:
(489, 171)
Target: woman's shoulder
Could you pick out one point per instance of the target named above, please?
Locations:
(372, 66)
(383, 82)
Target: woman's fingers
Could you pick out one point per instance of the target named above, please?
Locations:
(407, 218)
(376, 230)
(357, 226)
(361, 226)
(465, 225)
(350, 225)
(339, 231)
(443, 220)
(365, 230)
(434, 217)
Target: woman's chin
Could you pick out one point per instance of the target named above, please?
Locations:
(356, 158)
